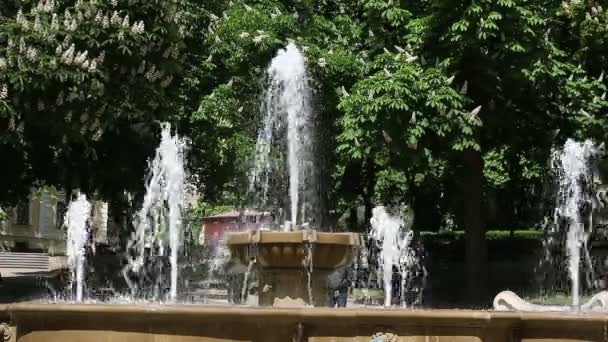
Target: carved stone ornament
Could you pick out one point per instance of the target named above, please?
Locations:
(384, 337)
(5, 332)
(509, 301)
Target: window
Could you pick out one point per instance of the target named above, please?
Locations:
(23, 214)
(60, 210)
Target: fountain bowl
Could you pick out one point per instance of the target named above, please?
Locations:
(293, 266)
(288, 249)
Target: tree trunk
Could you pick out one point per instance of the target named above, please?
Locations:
(475, 240)
(353, 219)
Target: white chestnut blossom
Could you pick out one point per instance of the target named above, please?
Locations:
(153, 74)
(20, 17)
(244, 34)
(68, 117)
(101, 57)
(73, 25)
(138, 27)
(37, 9)
(81, 57)
(97, 135)
(258, 39)
(3, 92)
(22, 46)
(115, 20)
(55, 22)
(68, 55)
(37, 24)
(106, 22)
(48, 6)
(125, 22)
(2, 63)
(66, 41)
(92, 66)
(31, 53)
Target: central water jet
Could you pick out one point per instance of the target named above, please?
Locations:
(287, 108)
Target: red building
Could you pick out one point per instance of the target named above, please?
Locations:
(215, 226)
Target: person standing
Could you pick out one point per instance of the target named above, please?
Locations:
(339, 283)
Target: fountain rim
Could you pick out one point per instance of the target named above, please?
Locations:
(427, 317)
(297, 237)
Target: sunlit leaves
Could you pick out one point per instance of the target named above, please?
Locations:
(400, 106)
(495, 168)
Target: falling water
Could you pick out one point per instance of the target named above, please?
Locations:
(245, 287)
(161, 209)
(575, 178)
(77, 215)
(287, 103)
(308, 268)
(393, 238)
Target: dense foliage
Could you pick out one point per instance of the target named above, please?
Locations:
(79, 80)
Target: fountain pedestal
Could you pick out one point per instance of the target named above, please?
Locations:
(289, 287)
(293, 266)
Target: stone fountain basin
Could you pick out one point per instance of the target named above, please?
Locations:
(293, 266)
(286, 250)
(190, 323)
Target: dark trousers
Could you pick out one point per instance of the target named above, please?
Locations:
(340, 300)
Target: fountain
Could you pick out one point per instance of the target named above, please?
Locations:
(293, 265)
(572, 225)
(287, 108)
(394, 237)
(76, 219)
(159, 216)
